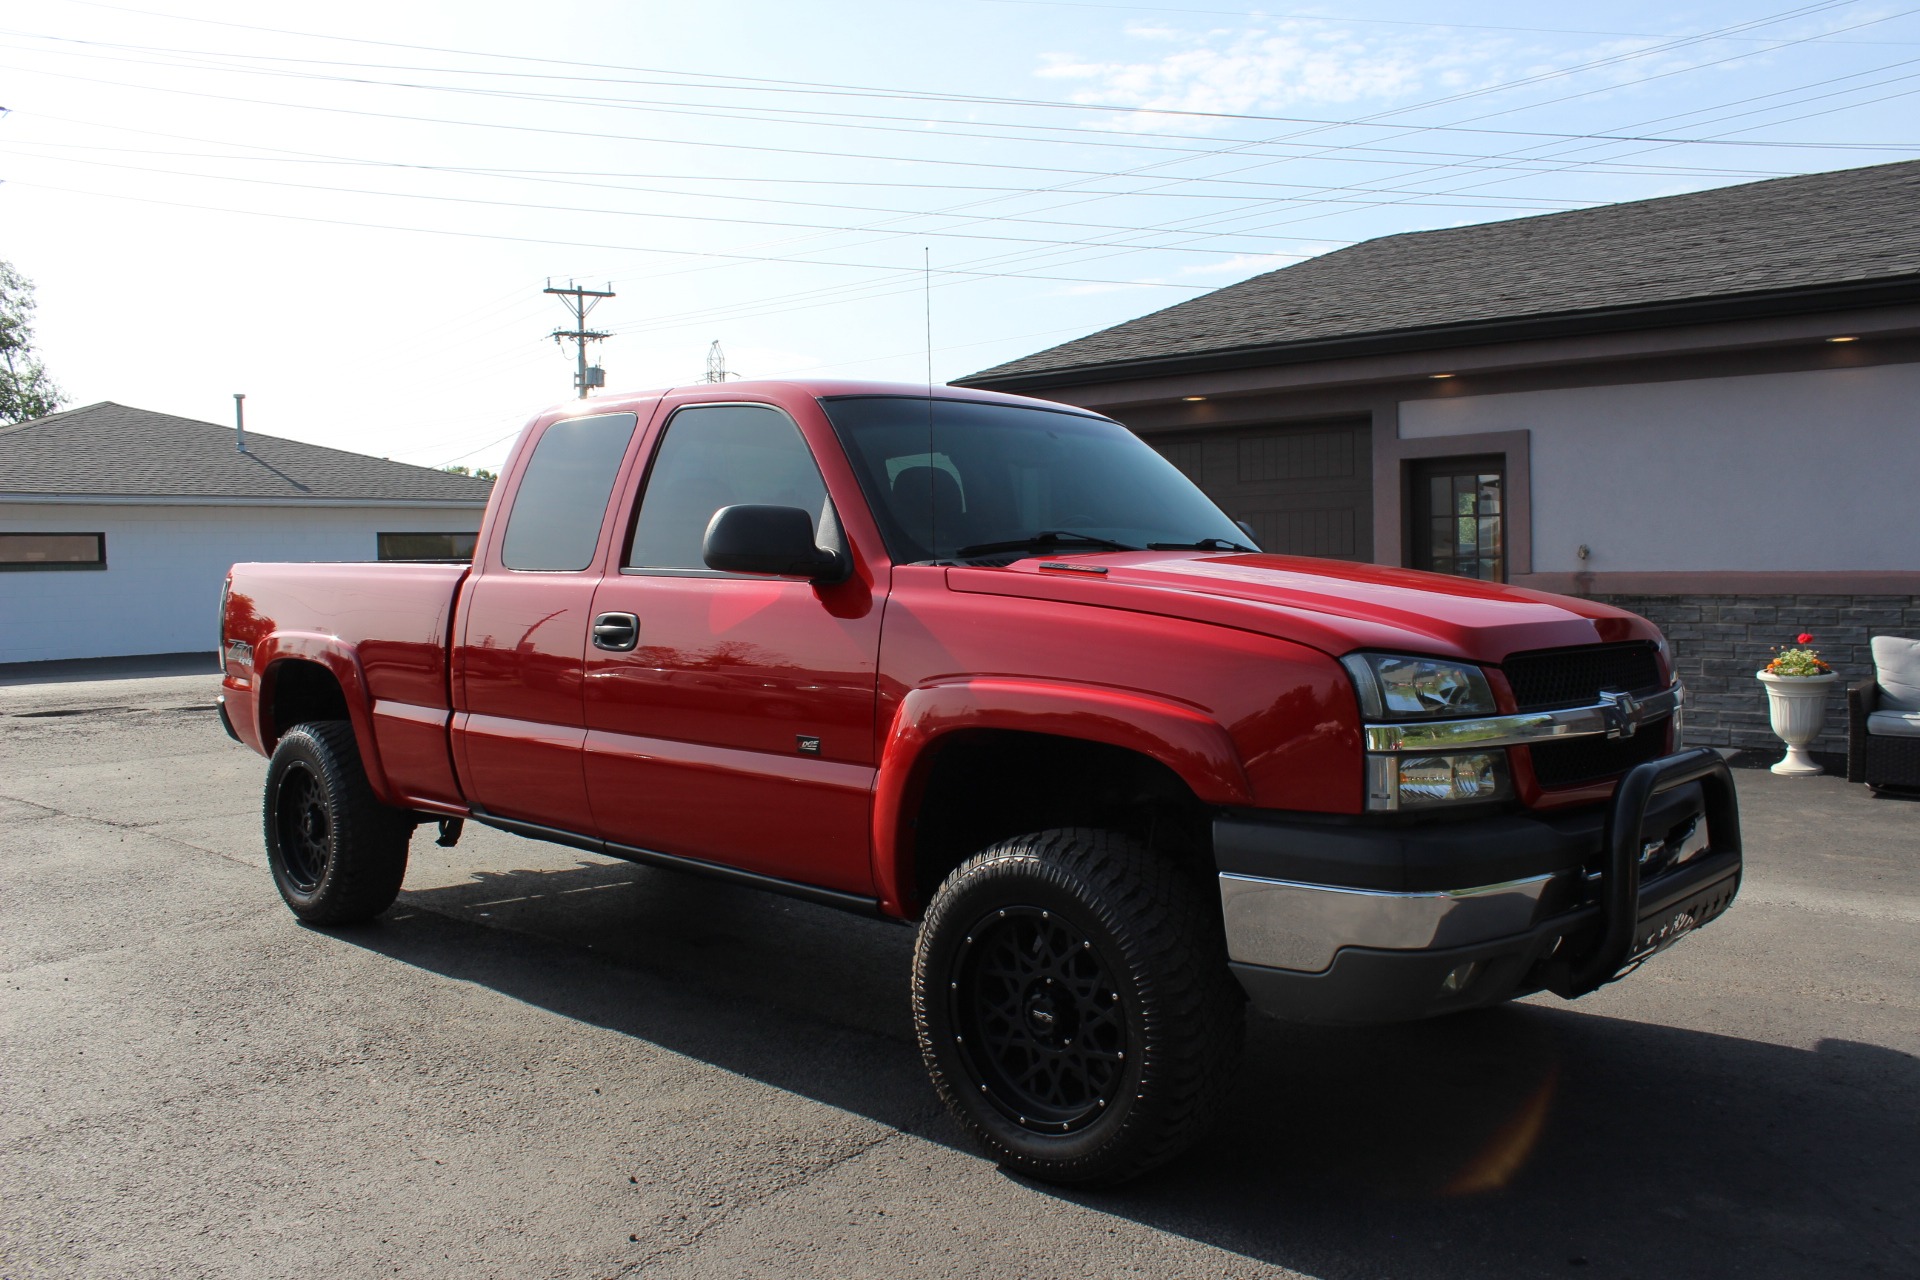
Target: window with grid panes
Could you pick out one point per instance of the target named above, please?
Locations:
(1458, 517)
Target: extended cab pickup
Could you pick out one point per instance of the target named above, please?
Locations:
(993, 666)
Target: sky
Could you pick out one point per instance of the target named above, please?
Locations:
(349, 212)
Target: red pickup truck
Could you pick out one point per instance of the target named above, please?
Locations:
(992, 665)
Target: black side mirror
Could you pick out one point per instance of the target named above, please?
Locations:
(769, 540)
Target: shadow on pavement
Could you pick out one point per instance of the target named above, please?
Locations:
(81, 670)
(1515, 1142)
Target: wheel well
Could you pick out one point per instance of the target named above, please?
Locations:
(987, 785)
(304, 691)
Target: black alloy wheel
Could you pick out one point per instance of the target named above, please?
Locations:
(1074, 1007)
(1044, 1031)
(338, 855)
(305, 830)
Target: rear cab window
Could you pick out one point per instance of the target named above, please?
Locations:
(554, 524)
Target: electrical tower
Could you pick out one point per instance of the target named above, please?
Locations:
(716, 363)
(579, 302)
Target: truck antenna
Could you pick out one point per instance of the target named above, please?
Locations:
(926, 293)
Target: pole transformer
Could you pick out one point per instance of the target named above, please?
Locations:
(578, 302)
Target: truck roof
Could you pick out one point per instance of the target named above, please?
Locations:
(818, 387)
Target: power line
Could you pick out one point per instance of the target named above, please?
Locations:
(642, 213)
(579, 244)
(812, 88)
(1347, 19)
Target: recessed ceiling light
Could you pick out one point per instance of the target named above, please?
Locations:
(1191, 399)
(1440, 375)
(1844, 338)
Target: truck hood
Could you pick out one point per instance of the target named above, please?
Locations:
(1331, 605)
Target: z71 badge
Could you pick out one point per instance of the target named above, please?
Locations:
(240, 653)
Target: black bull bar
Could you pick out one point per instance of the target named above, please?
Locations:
(1630, 927)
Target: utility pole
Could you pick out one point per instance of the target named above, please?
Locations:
(579, 302)
(716, 363)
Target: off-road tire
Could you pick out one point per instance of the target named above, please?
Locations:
(1038, 939)
(338, 855)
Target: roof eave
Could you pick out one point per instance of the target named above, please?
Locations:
(1889, 291)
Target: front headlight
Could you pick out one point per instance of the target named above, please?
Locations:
(1394, 687)
(1398, 688)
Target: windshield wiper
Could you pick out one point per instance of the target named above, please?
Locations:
(1041, 542)
(1204, 544)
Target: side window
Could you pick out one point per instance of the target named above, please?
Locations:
(425, 546)
(715, 456)
(555, 521)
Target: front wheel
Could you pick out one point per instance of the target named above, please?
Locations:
(338, 855)
(1074, 1006)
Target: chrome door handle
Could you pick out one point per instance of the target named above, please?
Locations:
(616, 632)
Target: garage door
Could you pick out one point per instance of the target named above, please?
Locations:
(1306, 490)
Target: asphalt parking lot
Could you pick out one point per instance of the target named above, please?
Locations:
(545, 1064)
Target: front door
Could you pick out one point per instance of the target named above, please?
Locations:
(738, 726)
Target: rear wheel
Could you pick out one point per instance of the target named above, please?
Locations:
(338, 855)
(1074, 1006)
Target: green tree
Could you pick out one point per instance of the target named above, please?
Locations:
(25, 389)
(482, 473)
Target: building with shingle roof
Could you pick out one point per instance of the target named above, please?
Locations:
(1704, 407)
(118, 524)
(1780, 247)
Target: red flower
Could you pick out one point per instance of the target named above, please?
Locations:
(1804, 638)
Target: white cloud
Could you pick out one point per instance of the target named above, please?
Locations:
(1275, 67)
(1247, 264)
(1245, 71)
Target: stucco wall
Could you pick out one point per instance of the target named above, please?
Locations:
(1790, 471)
(165, 564)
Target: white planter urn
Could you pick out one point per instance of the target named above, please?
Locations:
(1797, 706)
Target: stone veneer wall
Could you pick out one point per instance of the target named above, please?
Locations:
(1720, 641)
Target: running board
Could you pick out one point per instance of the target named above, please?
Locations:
(674, 862)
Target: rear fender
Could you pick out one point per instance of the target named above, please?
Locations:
(338, 657)
(1183, 738)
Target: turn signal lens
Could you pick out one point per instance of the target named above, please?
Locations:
(1432, 779)
(1412, 782)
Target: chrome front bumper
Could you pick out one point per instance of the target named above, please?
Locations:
(1285, 924)
(1622, 890)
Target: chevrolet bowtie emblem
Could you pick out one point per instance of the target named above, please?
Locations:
(1621, 712)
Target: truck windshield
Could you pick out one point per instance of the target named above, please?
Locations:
(993, 481)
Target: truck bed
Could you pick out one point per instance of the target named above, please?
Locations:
(383, 629)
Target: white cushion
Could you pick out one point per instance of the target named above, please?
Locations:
(1896, 669)
(1894, 724)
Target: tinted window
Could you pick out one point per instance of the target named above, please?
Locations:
(53, 550)
(973, 473)
(716, 456)
(555, 520)
(426, 546)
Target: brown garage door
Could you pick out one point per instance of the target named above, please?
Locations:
(1306, 490)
